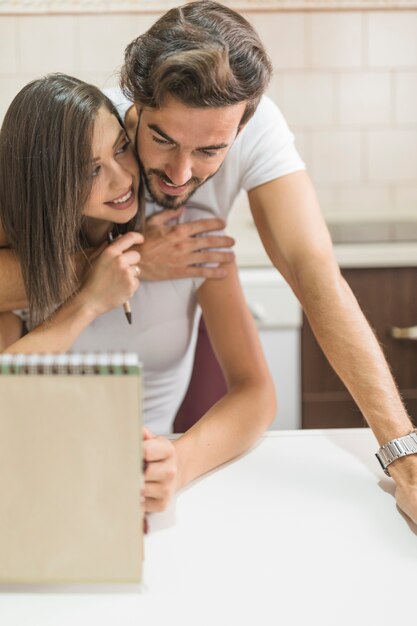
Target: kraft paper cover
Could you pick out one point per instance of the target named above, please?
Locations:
(70, 479)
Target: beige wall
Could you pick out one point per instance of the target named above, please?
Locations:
(346, 82)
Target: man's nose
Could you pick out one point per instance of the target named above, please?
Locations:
(179, 170)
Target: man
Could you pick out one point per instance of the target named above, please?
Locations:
(203, 132)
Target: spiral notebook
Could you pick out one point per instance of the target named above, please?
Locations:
(70, 468)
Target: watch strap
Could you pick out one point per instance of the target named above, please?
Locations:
(395, 449)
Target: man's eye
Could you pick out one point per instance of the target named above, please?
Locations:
(163, 142)
(208, 153)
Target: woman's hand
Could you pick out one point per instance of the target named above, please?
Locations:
(160, 472)
(114, 274)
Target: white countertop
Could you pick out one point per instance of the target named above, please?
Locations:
(303, 529)
(250, 252)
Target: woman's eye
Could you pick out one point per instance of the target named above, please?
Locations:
(123, 148)
(96, 171)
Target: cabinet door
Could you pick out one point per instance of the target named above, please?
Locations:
(388, 298)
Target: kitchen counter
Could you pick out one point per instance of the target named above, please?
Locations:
(303, 529)
(250, 252)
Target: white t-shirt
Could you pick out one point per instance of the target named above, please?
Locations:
(263, 150)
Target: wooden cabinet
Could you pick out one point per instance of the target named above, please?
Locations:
(388, 297)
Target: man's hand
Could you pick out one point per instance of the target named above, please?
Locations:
(160, 472)
(404, 472)
(177, 251)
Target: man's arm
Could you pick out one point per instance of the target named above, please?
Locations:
(295, 236)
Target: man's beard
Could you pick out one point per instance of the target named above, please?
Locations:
(165, 200)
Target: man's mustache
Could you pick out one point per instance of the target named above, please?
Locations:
(164, 177)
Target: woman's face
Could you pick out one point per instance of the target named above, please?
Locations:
(115, 173)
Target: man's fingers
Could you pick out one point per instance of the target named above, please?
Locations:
(203, 226)
(211, 257)
(164, 216)
(218, 241)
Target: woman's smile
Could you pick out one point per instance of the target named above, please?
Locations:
(123, 201)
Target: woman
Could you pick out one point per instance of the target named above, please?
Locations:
(52, 208)
(164, 313)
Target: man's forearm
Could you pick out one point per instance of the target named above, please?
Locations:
(12, 289)
(352, 349)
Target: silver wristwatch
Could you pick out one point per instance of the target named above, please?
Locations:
(397, 448)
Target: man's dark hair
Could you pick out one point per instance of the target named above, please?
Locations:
(203, 54)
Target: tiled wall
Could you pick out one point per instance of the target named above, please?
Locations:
(346, 82)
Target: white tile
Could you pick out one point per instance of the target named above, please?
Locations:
(97, 52)
(8, 45)
(140, 23)
(9, 87)
(275, 88)
(392, 156)
(46, 44)
(100, 79)
(405, 200)
(392, 39)
(308, 99)
(406, 98)
(364, 200)
(365, 98)
(336, 156)
(283, 35)
(336, 39)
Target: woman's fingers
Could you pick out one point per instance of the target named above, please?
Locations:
(126, 241)
(131, 257)
(160, 473)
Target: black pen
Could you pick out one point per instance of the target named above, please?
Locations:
(126, 305)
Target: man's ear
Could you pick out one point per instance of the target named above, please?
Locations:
(131, 122)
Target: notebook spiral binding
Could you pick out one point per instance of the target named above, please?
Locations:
(76, 364)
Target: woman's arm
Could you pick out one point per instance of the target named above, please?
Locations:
(109, 283)
(236, 421)
(11, 328)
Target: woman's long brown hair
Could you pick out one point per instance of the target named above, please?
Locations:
(45, 181)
